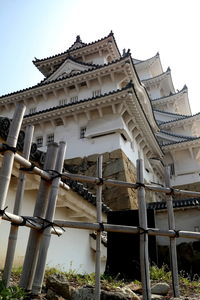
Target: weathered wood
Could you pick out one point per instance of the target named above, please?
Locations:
(112, 182)
(98, 237)
(171, 225)
(35, 237)
(127, 229)
(40, 269)
(144, 255)
(17, 209)
(30, 222)
(8, 158)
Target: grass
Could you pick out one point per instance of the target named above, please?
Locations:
(187, 286)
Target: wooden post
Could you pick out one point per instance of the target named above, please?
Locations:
(8, 159)
(40, 270)
(98, 239)
(17, 209)
(31, 256)
(171, 225)
(144, 256)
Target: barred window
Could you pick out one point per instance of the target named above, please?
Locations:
(50, 138)
(172, 169)
(96, 93)
(32, 110)
(39, 141)
(62, 102)
(82, 132)
(73, 99)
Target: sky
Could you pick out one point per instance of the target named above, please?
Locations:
(41, 28)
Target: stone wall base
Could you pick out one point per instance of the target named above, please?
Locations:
(116, 165)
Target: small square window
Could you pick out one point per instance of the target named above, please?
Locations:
(50, 138)
(82, 132)
(39, 141)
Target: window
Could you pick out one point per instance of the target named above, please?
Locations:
(39, 141)
(32, 110)
(62, 102)
(172, 169)
(73, 99)
(96, 93)
(50, 138)
(82, 132)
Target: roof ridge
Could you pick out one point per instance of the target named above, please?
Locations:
(79, 101)
(72, 59)
(171, 94)
(176, 203)
(179, 142)
(68, 50)
(73, 75)
(177, 135)
(170, 113)
(145, 60)
(164, 73)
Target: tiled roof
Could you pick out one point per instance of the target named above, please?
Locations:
(176, 204)
(42, 83)
(152, 78)
(84, 192)
(79, 41)
(39, 157)
(77, 102)
(170, 113)
(185, 137)
(74, 60)
(171, 94)
(183, 141)
(84, 45)
(138, 61)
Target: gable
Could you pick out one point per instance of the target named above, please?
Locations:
(69, 67)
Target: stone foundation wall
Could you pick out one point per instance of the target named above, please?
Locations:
(117, 166)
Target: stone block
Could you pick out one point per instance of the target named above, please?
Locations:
(58, 284)
(113, 168)
(161, 288)
(116, 154)
(74, 161)
(92, 158)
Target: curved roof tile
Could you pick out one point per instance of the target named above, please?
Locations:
(176, 203)
(67, 51)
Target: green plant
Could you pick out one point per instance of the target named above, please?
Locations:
(160, 273)
(11, 293)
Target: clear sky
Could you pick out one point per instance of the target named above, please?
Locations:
(40, 28)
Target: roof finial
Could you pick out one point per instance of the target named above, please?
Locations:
(168, 69)
(111, 32)
(78, 39)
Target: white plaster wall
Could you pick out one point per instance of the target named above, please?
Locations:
(183, 130)
(184, 163)
(143, 73)
(95, 59)
(185, 219)
(154, 93)
(70, 251)
(83, 93)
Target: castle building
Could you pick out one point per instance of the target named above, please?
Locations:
(103, 102)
